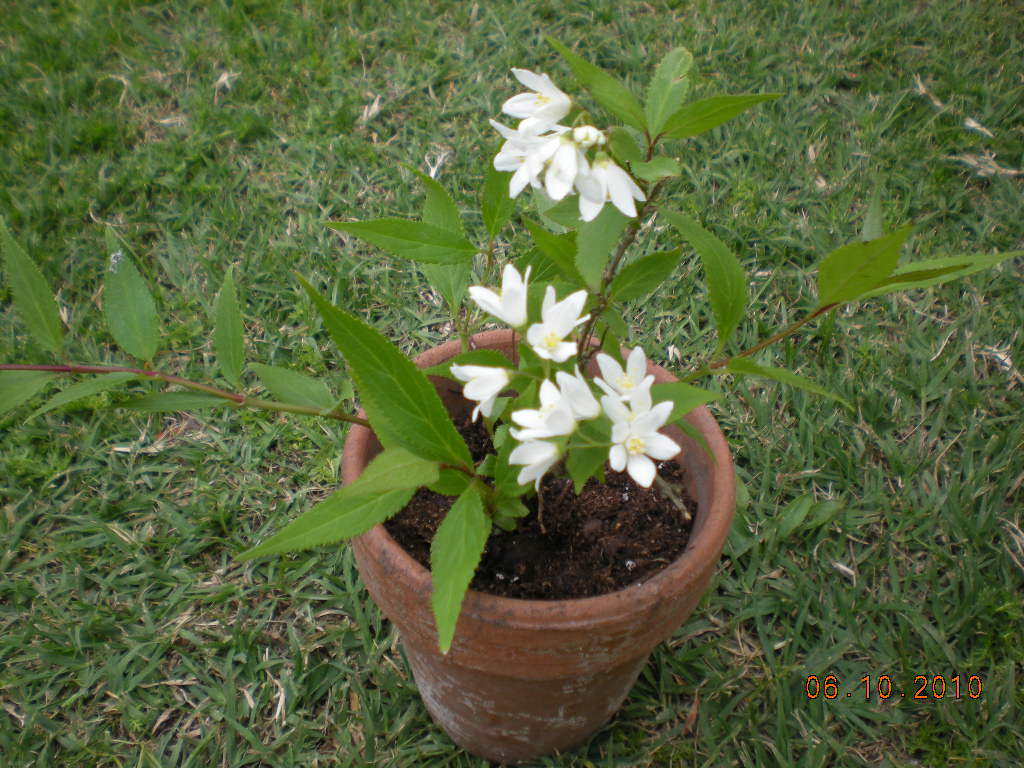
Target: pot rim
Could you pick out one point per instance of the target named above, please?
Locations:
(574, 613)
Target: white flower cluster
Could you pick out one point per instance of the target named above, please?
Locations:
(635, 419)
(539, 146)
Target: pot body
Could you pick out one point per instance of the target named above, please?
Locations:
(526, 678)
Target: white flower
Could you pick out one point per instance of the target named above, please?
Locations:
(605, 181)
(484, 384)
(544, 105)
(566, 163)
(557, 320)
(588, 136)
(636, 439)
(538, 456)
(553, 419)
(624, 383)
(576, 392)
(509, 304)
(526, 153)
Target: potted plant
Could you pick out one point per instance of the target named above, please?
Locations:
(522, 432)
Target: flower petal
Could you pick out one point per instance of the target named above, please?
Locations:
(660, 447)
(642, 470)
(617, 457)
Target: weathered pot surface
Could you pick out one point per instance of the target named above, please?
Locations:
(526, 678)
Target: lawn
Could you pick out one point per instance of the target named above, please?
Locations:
(882, 541)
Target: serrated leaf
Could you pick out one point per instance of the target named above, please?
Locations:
(401, 404)
(684, 397)
(83, 389)
(228, 331)
(923, 274)
(623, 146)
(565, 213)
(584, 459)
(616, 322)
(727, 283)
(703, 115)
(129, 308)
(439, 210)
(496, 206)
(606, 90)
(853, 270)
(16, 387)
(656, 168)
(747, 367)
(392, 469)
(162, 402)
(290, 386)
(451, 482)
(873, 224)
(560, 250)
(667, 88)
(414, 240)
(341, 515)
(489, 357)
(32, 297)
(454, 555)
(642, 276)
(595, 241)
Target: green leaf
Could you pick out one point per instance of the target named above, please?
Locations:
(595, 242)
(559, 249)
(624, 146)
(922, 274)
(341, 515)
(616, 322)
(414, 240)
(399, 400)
(228, 331)
(642, 276)
(692, 432)
(392, 469)
(873, 219)
(667, 88)
(583, 459)
(293, 387)
(450, 482)
(565, 213)
(18, 386)
(656, 168)
(84, 389)
(684, 397)
(793, 516)
(489, 357)
(703, 115)
(161, 402)
(454, 555)
(439, 210)
(606, 90)
(742, 365)
(727, 283)
(32, 297)
(853, 270)
(129, 307)
(496, 206)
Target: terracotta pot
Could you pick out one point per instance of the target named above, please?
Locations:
(526, 678)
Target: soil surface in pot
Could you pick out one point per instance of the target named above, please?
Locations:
(610, 536)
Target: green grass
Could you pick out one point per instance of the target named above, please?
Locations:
(129, 635)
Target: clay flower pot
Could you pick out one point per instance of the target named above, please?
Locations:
(526, 678)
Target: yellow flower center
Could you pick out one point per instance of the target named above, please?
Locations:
(626, 383)
(542, 99)
(635, 446)
(552, 340)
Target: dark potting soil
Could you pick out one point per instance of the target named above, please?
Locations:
(611, 535)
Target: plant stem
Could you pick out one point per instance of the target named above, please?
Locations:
(668, 491)
(234, 397)
(787, 331)
(583, 348)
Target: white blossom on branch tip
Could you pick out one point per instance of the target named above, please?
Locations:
(554, 418)
(636, 440)
(576, 391)
(544, 105)
(526, 153)
(547, 338)
(483, 384)
(509, 303)
(538, 456)
(602, 182)
(624, 383)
